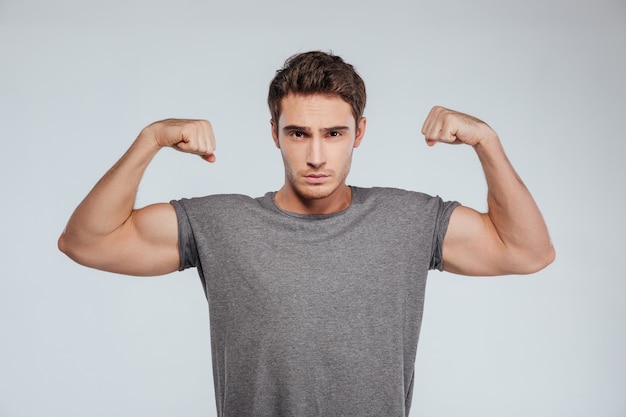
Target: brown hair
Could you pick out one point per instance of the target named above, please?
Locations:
(317, 72)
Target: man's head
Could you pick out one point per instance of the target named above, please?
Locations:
(317, 73)
(317, 103)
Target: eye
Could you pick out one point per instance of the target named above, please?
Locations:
(334, 133)
(297, 134)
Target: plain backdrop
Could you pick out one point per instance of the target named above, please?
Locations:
(80, 79)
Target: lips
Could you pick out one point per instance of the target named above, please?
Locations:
(315, 178)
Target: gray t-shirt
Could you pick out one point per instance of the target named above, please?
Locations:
(314, 315)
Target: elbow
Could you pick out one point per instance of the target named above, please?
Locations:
(537, 261)
(70, 247)
(550, 256)
(542, 262)
(64, 244)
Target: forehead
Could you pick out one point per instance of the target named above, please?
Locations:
(315, 110)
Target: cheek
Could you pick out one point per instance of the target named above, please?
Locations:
(346, 155)
(291, 155)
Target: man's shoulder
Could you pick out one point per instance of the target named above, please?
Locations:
(219, 203)
(217, 199)
(363, 194)
(401, 203)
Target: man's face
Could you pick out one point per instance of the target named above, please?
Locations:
(316, 135)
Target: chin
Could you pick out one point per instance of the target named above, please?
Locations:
(316, 192)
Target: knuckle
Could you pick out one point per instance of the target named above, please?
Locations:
(203, 124)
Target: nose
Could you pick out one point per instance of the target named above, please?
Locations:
(316, 153)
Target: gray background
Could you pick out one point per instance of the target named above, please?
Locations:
(78, 81)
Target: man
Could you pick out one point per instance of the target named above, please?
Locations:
(315, 291)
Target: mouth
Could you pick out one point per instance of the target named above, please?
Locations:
(315, 178)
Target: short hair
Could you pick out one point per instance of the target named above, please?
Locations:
(317, 72)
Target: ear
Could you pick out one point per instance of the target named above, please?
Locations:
(360, 131)
(274, 127)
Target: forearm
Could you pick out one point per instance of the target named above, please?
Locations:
(110, 203)
(512, 209)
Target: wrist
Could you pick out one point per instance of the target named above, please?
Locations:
(147, 140)
(489, 140)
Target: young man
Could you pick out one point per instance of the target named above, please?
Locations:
(315, 291)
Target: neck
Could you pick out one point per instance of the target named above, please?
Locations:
(288, 200)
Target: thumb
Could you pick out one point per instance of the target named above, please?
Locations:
(209, 157)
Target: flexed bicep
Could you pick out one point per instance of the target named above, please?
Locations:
(146, 244)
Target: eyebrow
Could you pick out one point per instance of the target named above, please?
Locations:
(291, 128)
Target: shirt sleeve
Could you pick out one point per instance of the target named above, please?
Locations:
(444, 212)
(187, 248)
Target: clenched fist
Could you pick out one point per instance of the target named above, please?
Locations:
(190, 136)
(449, 126)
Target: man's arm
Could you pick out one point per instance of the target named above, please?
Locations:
(512, 237)
(106, 231)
